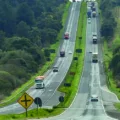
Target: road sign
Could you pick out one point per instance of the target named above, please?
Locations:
(25, 100)
(78, 50)
(61, 99)
(38, 101)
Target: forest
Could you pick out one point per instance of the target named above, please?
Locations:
(108, 29)
(27, 27)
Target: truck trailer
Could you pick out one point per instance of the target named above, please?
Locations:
(94, 57)
(93, 14)
(89, 14)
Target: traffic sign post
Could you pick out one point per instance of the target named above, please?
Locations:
(25, 100)
(61, 99)
(38, 102)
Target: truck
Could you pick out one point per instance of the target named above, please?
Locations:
(66, 35)
(62, 53)
(89, 14)
(39, 82)
(93, 8)
(94, 57)
(93, 13)
(94, 38)
(92, 3)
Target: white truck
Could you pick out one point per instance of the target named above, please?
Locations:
(94, 38)
(94, 14)
(39, 81)
(94, 57)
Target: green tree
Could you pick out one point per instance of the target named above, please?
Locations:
(35, 36)
(25, 14)
(23, 29)
(47, 52)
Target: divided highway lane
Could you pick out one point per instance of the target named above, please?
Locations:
(82, 107)
(53, 80)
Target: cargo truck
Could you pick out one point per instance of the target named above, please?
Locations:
(66, 35)
(92, 3)
(93, 8)
(89, 14)
(62, 53)
(39, 81)
(94, 57)
(93, 13)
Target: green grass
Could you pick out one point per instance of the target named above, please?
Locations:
(76, 66)
(108, 49)
(19, 91)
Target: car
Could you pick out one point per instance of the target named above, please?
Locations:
(55, 69)
(89, 20)
(94, 98)
(70, 52)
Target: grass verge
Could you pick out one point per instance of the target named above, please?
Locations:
(18, 92)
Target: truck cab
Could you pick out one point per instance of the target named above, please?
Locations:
(39, 81)
(66, 35)
(62, 53)
(94, 57)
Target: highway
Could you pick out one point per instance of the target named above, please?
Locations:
(50, 95)
(92, 82)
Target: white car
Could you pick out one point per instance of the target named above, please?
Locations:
(89, 20)
(70, 52)
(94, 98)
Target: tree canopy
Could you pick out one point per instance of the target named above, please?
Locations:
(27, 28)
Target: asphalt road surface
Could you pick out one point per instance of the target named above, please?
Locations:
(92, 83)
(50, 95)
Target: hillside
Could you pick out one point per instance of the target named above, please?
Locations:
(26, 28)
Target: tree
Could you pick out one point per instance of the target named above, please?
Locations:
(35, 36)
(24, 13)
(23, 29)
(2, 37)
(47, 52)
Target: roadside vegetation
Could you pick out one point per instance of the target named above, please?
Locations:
(25, 39)
(110, 30)
(42, 68)
(76, 67)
